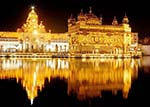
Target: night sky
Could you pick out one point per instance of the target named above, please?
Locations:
(54, 13)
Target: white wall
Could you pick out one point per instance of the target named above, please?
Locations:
(61, 46)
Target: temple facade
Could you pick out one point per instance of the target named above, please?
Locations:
(86, 36)
(32, 37)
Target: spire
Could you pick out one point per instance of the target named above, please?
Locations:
(71, 16)
(31, 24)
(81, 12)
(81, 16)
(32, 7)
(114, 22)
(32, 21)
(125, 19)
(90, 9)
(101, 18)
(71, 19)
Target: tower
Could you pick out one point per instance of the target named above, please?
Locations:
(90, 10)
(31, 24)
(125, 20)
(71, 20)
(101, 19)
(114, 22)
(81, 16)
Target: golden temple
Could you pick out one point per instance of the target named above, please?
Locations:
(86, 37)
(89, 35)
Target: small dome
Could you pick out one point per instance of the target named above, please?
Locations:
(125, 20)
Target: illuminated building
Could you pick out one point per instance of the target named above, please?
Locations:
(10, 44)
(88, 36)
(32, 37)
(85, 78)
(85, 37)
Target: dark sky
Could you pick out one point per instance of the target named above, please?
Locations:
(54, 13)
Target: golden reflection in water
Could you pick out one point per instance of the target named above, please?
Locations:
(85, 77)
(90, 77)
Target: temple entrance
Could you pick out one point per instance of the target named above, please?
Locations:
(56, 48)
(27, 48)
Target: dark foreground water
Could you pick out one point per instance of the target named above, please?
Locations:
(74, 82)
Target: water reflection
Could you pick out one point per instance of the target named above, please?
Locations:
(86, 77)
